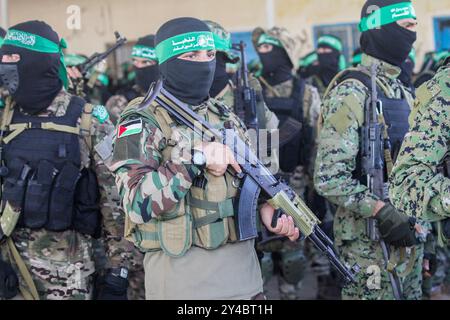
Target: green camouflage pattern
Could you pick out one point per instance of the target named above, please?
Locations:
(338, 148)
(424, 148)
(292, 44)
(61, 263)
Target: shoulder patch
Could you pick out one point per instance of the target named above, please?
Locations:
(129, 128)
(100, 113)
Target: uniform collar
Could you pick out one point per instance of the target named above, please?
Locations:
(384, 68)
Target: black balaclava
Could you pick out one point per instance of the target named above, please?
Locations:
(147, 75)
(277, 67)
(189, 81)
(391, 43)
(37, 72)
(221, 77)
(407, 72)
(328, 64)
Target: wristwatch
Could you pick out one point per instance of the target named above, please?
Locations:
(198, 159)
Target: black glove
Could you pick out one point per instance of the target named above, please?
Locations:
(113, 285)
(395, 228)
(446, 228)
(9, 283)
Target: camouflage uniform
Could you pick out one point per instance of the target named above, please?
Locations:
(154, 184)
(423, 150)
(291, 254)
(117, 103)
(61, 263)
(339, 142)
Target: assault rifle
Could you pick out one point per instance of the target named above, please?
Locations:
(255, 177)
(373, 145)
(245, 97)
(99, 57)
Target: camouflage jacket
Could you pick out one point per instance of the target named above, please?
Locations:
(416, 186)
(338, 149)
(117, 103)
(149, 187)
(49, 253)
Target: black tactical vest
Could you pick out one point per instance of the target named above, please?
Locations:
(43, 172)
(288, 107)
(396, 113)
(291, 153)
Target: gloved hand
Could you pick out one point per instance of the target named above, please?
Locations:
(9, 283)
(112, 286)
(395, 228)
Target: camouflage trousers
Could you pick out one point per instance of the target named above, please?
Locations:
(372, 282)
(60, 263)
(123, 253)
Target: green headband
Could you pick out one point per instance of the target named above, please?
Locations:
(265, 38)
(37, 43)
(182, 43)
(221, 43)
(387, 15)
(144, 52)
(308, 60)
(1, 41)
(331, 42)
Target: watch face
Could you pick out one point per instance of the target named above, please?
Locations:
(199, 158)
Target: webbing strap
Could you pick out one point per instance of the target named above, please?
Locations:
(18, 128)
(387, 153)
(29, 293)
(85, 123)
(268, 86)
(222, 210)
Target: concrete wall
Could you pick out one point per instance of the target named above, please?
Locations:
(133, 18)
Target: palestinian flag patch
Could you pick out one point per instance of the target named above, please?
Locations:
(129, 128)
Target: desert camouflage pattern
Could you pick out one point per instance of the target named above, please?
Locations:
(291, 43)
(117, 103)
(338, 148)
(61, 263)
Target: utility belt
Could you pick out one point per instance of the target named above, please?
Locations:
(56, 200)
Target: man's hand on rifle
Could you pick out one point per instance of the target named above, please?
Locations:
(218, 158)
(285, 224)
(74, 73)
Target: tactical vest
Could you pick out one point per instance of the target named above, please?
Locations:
(395, 111)
(44, 175)
(205, 217)
(285, 108)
